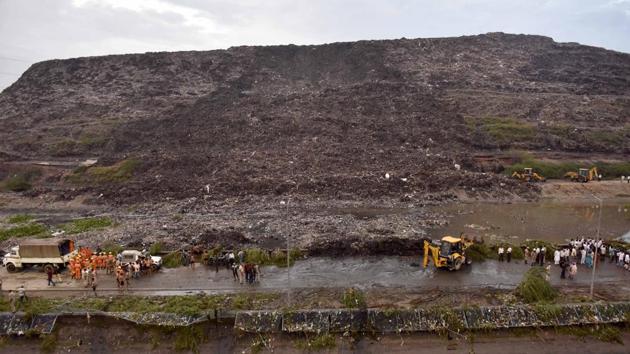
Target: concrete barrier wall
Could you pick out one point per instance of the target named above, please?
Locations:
(355, 320)
(428, 320)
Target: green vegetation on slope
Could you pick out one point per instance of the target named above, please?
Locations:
(557, 170)
(503, 131)
(24, 230)
(19, 218)
(20, 181)
(118, 172)
(87, 224)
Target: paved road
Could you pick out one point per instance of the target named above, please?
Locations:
(365, 273)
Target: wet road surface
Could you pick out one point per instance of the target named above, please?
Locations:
(364, 273)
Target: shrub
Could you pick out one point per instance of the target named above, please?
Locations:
(550, 248)
(535, 288)
(20, 181)
(277, 257)
(111, 247)
(156, 248)
(353, 298)
(172, 260)
(87, 224)
(479, 252)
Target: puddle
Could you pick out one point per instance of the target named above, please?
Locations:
(547, 221)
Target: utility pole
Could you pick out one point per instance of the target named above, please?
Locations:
(599, 223)
(288, 237)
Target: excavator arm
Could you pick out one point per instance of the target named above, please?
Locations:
(432, 251)
(592, 174)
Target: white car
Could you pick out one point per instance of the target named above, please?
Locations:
(130, 256)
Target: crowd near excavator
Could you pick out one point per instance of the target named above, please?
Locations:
(583, 175)
(528, 175)
(448, 253)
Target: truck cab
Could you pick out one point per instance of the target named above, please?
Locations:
(47, 253)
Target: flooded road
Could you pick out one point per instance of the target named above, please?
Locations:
(365, 273)
(516, 222)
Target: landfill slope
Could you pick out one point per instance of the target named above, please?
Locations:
(321, 121)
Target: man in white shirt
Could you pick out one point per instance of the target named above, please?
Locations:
(509, 254)
(500, 254)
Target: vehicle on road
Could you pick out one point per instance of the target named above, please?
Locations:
(449, 253)
(47, 253)
(582, 175)
(131, 256)
(528, 175)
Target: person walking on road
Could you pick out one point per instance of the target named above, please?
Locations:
(500, 254)
(563, 266)
(526, 254)
(49, 275)
(509, 254)
(572, 270)
(21, 293)
(543, 250)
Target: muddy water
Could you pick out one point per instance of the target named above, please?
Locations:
(547, 221)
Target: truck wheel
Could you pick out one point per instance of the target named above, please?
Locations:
(11, 268)
(458, 263)
(47, 267)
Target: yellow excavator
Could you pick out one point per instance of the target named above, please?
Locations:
(528, 175)
(583, 175)
(449, 253)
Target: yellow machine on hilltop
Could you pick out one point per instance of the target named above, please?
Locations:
(582, 175)
(528, 175)
(449, 253)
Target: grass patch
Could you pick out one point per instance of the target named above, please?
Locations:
(535, 288)
(172, 260)
(277, 258)
(20, 181)
(557, 170)
(118, 172)
(319, 342)
(19, 219)
(503, 131)
(189, 338)
(604, 333)
(48, 343)
(87, 224)
(31, 229)
(182, 305)
(353, 298)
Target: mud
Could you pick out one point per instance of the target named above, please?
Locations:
(557, 222)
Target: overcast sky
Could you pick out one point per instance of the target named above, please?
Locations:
(35, 30)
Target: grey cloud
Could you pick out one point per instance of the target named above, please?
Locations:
(43, 29)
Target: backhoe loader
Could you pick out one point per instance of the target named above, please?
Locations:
(528, 175)
(449, 253)
(583, 175)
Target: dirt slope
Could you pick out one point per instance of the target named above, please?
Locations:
(327, 120)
